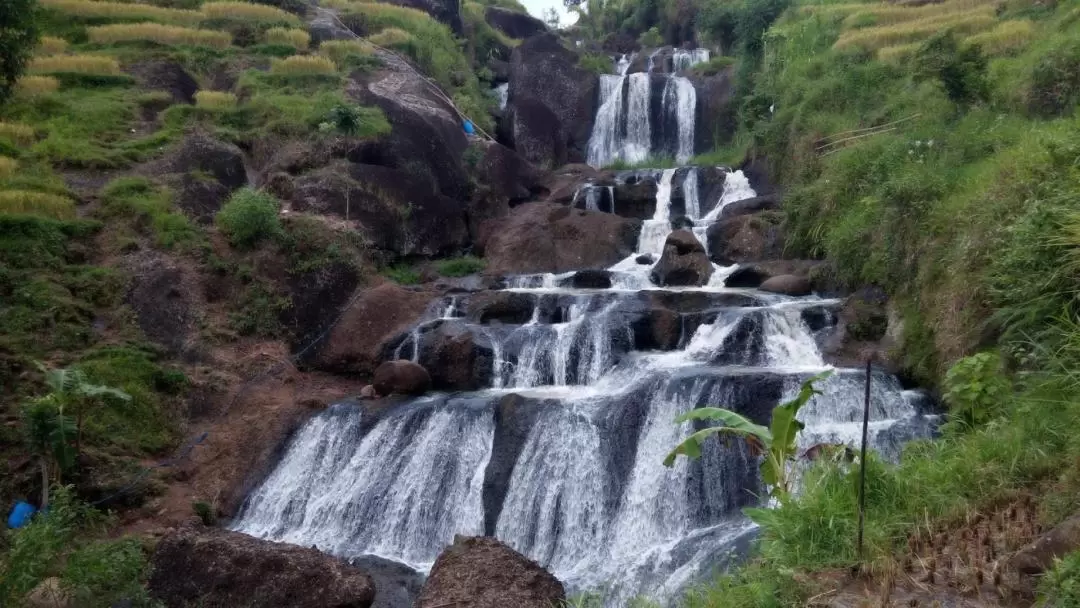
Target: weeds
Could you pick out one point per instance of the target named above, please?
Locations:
(215, 100)
(460, 267)
(249, 217)
(297, 39)
(150, 206)
(96, 65)
(37, 203)
(158, 34)
(402, 274)
(123, 11)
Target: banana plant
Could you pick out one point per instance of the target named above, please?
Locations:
(72, 389)
(776, 442)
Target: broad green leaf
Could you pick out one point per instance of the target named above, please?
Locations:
(691, 446)
(730, 419)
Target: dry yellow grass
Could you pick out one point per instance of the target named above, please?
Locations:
(50, 45)
(36, 203)
(340, 50)
(303, 65)
(8, 166)
(1008, 37)
(883, 15)
(29, 87)
(161, 34)
(873, 38)
(335, 3)
(19, 134)
(897, 53)
(215, 100)
(389, 37)
(77, 64)
(246, 11)
(298, 39)
(122, 11)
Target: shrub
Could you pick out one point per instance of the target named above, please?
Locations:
(36, 203)
(76, 64)
(1007, 38)
(30, 87)
(976, 390)
(303, 65)
(8, 167)
(297, 39)
(205, 512)
(1055, 81)
(357, 121)
(1061, 585)
(123, 11)
(18, 37)
(151, 206)
(18, 134)
(460, 267)
(106, 573)
(215, 100)
(259, 312)
(713, 66)
(160, 34)
(402, 274)
(228, 10)
(51, 45)
(340, 50)
(961, 71)
(595, 62)
(392, 37)
(249, 217)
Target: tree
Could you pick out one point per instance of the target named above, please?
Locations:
(551, 17)
(18, 37)
(777, 442)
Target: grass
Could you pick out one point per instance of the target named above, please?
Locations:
(402, 274)
(150, 207)
(96, 65)
(249, 218)
(347, 53)
(157, 33)
(1008, 38)
(32, 87)
(303, 66)
(297, 39)
(215, 100)
(51, 45)
(8, 167)
(123, 11)
(248, 12)
(713, 66)
(873, 38)
(36, 203)
(392, 37)
(883, 15)
(460, 267)
(17, 133)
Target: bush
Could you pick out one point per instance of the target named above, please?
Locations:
(1061, 585)
(976, 390)
(123, 11)
(1055, 81)
(357, 121)
(76, 64)
(297, 39)
(713, 66)
(595, 62)
(460, 267)
(249, 217)
(961, 71)
(259, 312)
(403, 274)
(303, 66)
(37, 203)
(158, 34)
(18, 37)
(215, 100)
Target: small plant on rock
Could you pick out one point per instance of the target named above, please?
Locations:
(249, 217)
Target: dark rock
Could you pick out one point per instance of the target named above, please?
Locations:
(757, 171)
(216, 568)
(166, 76)
(753, 275)
(446, 11)
(862, 332)
(215, 159)
(716, 110)
(746, 276)
(547, 237)
(769, 202)
(401, 378)
(1027, 564)
(317, 296)
(512, 23)
(787, 284)
(745, 238)
(378, 315)
(644, 259)
(552, 102)
(198, 194)
(368, 392)
(515, 417)
(658, 329)
(457, 358)
(501, 306)
(684, 261)
(565, 183)
(636, 200)
(682, 223)
(591, 279)
(506, 180)
(396, 585)
(621, 43)
(165, 298)
(482, 572)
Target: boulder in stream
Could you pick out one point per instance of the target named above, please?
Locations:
(401, 377)
(684, 261)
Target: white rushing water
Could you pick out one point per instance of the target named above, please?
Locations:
(686, 59)
(502, 94)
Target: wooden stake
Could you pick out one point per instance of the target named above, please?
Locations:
(862, 461)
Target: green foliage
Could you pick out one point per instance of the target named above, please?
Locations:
(961, 69)
(460, 267)
(713, 66)
(751, 586)
(651, 38)
(1061, 585)
(259, 311)
(249, 217)
(18, 37)
(357, 121)
(35, 548)
(777, 442)
(1055, 81)
(595, 62)
(105, 572)
(205, 512)
(976, 390)
(150, 205)
(402, 274)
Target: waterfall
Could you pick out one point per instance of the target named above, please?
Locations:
(638, 142)
(502, 94)
(623, 64)
(680, 101)
(736, 188)
(605, 143)
(655, 231)
(684, 60)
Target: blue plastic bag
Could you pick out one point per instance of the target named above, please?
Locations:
(20, 515)
(469, 128)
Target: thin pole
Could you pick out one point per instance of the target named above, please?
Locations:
(862, 460)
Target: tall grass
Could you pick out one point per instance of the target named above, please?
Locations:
(19, 134)
(393, 38)
(36, 203)
(29, 87)
(898, 52)
(342, 51)
(75, 64)
(303, 65)
(298, 39)
(883, 15)
(170, 35)
(215, 100)
(1008, 38)
(8, 166)
(123, 11)
(873, 38)
(51, 45)
(248, 12)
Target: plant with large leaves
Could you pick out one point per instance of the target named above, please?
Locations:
(777, 442)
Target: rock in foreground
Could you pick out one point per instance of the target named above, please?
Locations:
(401, 377)
(214, 568)
(684, 261)
(481, 572)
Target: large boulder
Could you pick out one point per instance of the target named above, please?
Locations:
(377, 316)
(684, 261)
(512, 23)
(716, 108)
(458, 358)
(1024, 568)
(547, 237)
(754, 274)
(787, 284)
(165, 76)
(769, 202)
(636, 199)
(215, 568)
(198, 194)
(506, 179)
(552, 102)
(224, 162)
(166, 297)
(401, 377)
(867, 327)
(481, 572)
(746, 238)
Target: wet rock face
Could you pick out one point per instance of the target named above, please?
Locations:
(787, 284)
(745, 238)
(458, 359)
(481, 572)
(199, 566)
(552, 103)
(401, 378)
(684, 261)
(548, 237)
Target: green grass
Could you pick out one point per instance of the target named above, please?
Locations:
(595, 62)
(249, 218)
(403, 274)
(150, 206)
(460, 267)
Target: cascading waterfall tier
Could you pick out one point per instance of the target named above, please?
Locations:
(561, 455)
